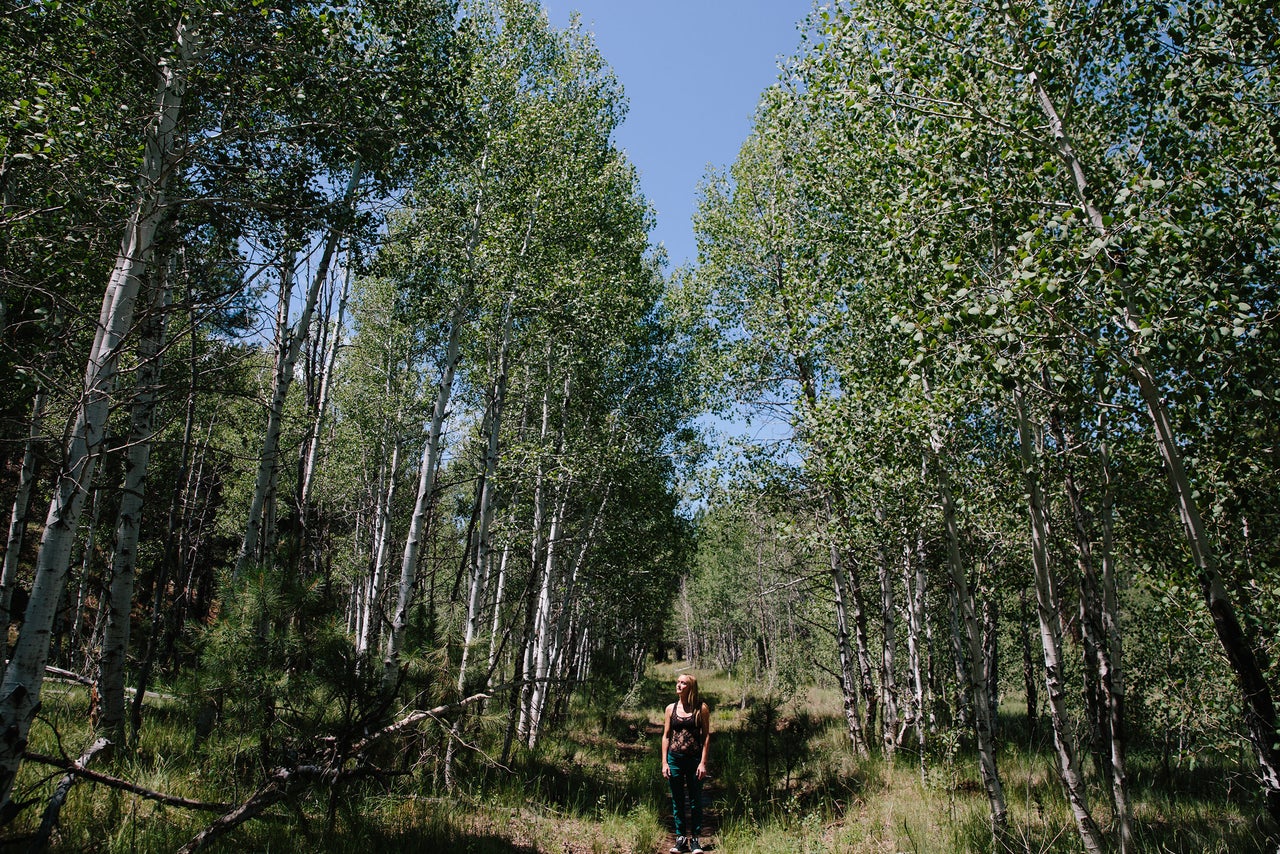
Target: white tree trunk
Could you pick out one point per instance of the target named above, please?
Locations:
(1113, 676)
(422, 503)
(18, 521)
(862, 648)
(431, 456)
(288, 348)
(481, 556)
(1259, 712)
(375, 589)
(913, 581)
(368, 593)
(1259, 705)
(498, 593)
(535, 560)
(1047, 602)
(119, 604)
(965, 613)
(24, 676)
(543, 627)
(568, 612)
(888, 652)
(848, 675)
(1099, 623)
(322, 406)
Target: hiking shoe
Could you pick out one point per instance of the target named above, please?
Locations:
(681, 846)
(694, 847)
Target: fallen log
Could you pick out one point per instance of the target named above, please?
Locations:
(57, 674)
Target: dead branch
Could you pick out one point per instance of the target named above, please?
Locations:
(269, 794)
(276, 789)
(54, 808)
(412, 719)
(278, 783)
(75, 769)
(68, 675)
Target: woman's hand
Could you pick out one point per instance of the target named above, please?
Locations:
(666, 771)
(702, 770)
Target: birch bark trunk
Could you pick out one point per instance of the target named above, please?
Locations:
(888, 652)
(499, 589)
(991, 655)
(1100, 618)
(422, 502)
(1113, 678)
(1048, 603)
(430, 459)
(119, 604)
(24, 676)
(965, 613)
(848, 674)
(525, 666)
(251, 547)
(862, 647)
(913, 581)
(371, 592)
(371, 607)
(544, 628)
(567, 612)
(1247, 662)
(317, 427)
(481, 555)
(841, 582)
(18, 521)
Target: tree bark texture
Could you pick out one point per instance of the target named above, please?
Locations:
(1048, 603)
(119, 605)
(18, 520)
(20, 690)
(966, 614)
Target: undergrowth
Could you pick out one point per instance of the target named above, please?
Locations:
(784, 778)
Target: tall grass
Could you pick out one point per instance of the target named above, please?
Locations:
(784, 779)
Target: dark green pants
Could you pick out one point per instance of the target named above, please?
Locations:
(684, 781)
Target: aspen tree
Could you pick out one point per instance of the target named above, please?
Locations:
(119, 605)
(23, 678)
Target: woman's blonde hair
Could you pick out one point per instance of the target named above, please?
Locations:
(694, 702)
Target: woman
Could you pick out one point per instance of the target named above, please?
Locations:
(686, 743)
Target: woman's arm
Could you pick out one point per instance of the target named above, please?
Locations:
(705, 723)
(666, 742)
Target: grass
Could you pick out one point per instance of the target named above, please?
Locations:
(784, 780)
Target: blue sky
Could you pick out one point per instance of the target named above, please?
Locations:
(693, 72)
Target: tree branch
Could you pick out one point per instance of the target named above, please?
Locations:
(76, 768)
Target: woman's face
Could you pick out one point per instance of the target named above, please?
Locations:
(682, 687)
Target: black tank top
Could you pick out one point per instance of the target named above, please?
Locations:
(686, 735)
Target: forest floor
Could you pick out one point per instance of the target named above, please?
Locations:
(783, 780)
